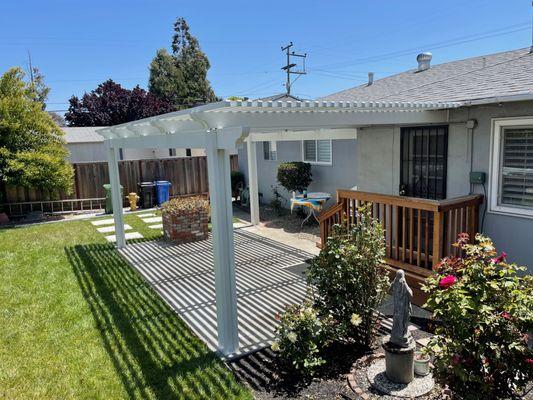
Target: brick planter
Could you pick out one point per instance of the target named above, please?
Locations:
(182, 225)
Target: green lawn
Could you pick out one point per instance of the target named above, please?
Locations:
(77, 322)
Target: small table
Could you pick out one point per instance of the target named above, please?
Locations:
(314, 202)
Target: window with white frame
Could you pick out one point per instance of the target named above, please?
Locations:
(270, 151)
(317, 151)
(512, 167)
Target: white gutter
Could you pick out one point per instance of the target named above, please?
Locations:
(500, 99)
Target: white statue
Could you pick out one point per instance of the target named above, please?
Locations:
(402, 295)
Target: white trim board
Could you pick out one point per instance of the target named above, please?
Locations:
(495, 154)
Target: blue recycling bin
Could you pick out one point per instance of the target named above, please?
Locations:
(162, 191)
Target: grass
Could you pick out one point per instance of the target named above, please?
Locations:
(79, 323)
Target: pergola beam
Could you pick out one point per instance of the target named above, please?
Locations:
(316, 134)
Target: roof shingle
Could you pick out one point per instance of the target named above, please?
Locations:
(501, 74)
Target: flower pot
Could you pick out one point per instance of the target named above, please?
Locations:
(421, 364)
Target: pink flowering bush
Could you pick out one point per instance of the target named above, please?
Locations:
(485, 311)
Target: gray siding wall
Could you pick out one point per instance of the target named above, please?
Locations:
(378, 167)
(373, 164)
(341, 174)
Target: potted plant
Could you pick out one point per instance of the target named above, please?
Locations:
(421, 363)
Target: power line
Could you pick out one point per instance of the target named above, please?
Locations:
(436, 45)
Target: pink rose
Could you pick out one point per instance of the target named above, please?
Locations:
(500, 258)
(447, 281)
(529, 360)
(505, 315)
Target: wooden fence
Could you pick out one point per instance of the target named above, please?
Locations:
(188, 175)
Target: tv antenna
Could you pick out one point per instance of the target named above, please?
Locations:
(290, 65)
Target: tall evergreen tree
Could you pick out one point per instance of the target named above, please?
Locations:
(181, 77)
(166, 79)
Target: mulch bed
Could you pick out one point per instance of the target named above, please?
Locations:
(269, 378)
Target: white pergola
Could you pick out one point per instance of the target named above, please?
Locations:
(219, 128)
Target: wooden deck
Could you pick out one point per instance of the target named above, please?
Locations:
(418, 232)
(269, 276)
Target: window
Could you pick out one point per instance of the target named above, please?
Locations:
(270, 150)
(317, 151)
(188, 152)
(512, 167)
(172, 152)
(120, 154)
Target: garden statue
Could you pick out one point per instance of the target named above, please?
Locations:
(395, 376)
(400, 346)
(402, 295)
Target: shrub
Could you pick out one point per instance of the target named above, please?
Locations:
(277, 201)
(301, 336)
(485, 310)
(295, 175)
(349, 280)
(180, 205)
(237, 181)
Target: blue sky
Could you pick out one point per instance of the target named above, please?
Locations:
(79, 44)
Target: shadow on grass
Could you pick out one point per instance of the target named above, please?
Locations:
(153, 351)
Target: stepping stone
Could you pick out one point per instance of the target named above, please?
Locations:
(152, 220)
(109, 229)
(130, 235)
(157, 226)
(103, 222)
(146, 215)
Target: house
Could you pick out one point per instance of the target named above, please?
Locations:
(85, 145)
(422, 147)
(483, 144)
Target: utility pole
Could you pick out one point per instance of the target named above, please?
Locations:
(288, 67)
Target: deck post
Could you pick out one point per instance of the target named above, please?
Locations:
(114, 180)
(251, 149)
(218, 168)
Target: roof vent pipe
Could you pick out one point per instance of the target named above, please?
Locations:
(424, 61)
(370, 78)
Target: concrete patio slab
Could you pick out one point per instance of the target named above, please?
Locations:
(109, 229)
(100, 222)
(129, 235)
(266, 275)
(151, 220)
(146, 215)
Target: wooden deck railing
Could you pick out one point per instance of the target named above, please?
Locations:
(418, 232)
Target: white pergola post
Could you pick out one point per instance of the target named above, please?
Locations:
(219, 174)
(251, 149)
(114, 180)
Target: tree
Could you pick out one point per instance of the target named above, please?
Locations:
(166, 79)
(111, 104)
(38, 87)
(58, 119)
(32, 148)
(181, 78)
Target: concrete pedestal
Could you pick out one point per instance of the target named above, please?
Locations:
(399, 362)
